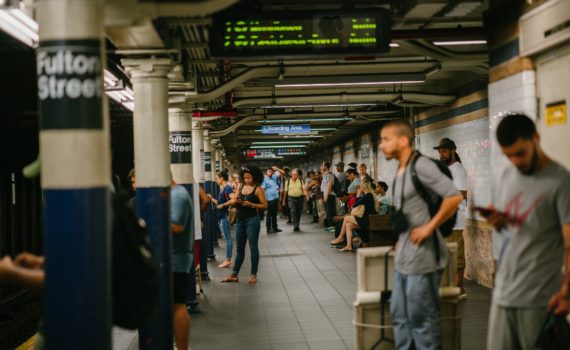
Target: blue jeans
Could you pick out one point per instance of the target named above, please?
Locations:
(225, 229)
(415, 311)
(247, 229)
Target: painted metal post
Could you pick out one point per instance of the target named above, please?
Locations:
(76, 181)
(74, 140)
(198, 170)
(208, 219)
(180, 147)
(152, 169)
(215, 191)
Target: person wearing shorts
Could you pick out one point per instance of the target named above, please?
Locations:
(182, 216)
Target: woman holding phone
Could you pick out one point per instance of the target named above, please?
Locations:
(249, 200)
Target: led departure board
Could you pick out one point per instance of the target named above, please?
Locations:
(294, 34)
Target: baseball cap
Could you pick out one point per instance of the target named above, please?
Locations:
(339, 164)
(446, 143)
(352, 165)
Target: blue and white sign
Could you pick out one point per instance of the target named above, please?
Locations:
(286, 129)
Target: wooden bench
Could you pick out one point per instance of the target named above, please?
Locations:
(379, 231)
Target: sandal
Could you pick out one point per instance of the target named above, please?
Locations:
(334, 241)
(252, 279)
(227, 263)
(230, 279)
(346, 249)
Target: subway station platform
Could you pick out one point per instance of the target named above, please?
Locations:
(303, 299)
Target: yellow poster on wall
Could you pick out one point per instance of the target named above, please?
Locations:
(556, 113)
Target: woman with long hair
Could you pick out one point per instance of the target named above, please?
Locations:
(350, 222)
(222, 204)
(249, 200)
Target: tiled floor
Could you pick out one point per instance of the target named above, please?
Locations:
(303, 300)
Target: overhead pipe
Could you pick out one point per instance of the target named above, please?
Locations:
(430, 99)
(255, 117)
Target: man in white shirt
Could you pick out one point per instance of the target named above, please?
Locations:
(448, 154)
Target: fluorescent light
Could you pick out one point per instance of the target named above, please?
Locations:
(277, 142)
(20, 26)
(17, 28)
(457, 43)
(321, 105)
(312, 129)
(394, 45)
(351, 84)
(279, 146)
(303, 120)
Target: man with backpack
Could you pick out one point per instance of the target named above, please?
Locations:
(182, 216)
(421, 254)
(532, 207)
(448, 154)
(294, 194)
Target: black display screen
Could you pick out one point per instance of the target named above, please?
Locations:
(330, 33)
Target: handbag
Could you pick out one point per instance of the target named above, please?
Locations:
(358, 211)
(232, 215)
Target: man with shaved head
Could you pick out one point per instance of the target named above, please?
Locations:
(421, 253)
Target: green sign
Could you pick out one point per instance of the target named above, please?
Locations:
(236, 34)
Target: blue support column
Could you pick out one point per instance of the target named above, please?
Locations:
(198, 171)
(216, 189)
(209, 219)
(180, 126)
(75, 162)
(152, 168)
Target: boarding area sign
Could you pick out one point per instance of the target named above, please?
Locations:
(286, 129)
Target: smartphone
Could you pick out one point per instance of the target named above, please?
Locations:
(485, 212)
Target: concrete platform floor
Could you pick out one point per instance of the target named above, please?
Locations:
(303, 299)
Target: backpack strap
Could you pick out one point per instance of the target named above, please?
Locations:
(426, 197)
(418, 184)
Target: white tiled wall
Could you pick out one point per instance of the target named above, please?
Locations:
(516, 93)
(473, 147)
(386, 169)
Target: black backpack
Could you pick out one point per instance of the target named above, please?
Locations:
(136, 279)
(432, 199)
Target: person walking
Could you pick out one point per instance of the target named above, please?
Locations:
(293, 195)
(271, 190)
(250, 199)
(532, 208)
(223, 211)
(421, 253)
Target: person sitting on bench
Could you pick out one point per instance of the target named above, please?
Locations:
(351, 223)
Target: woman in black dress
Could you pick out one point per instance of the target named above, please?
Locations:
(350, 222)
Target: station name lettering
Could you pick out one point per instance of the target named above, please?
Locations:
(179, 143)
(65, 74)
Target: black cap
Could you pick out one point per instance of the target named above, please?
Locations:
(352, 165)
(446, 143)
(339, 164)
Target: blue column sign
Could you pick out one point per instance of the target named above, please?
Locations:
(180, 147)
(207, 160)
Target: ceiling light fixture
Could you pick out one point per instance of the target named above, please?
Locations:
(19, 25)
(278, 146)
(304, 120)
(351, 84)
(277, 142)
(321, 105)
(460, 42)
